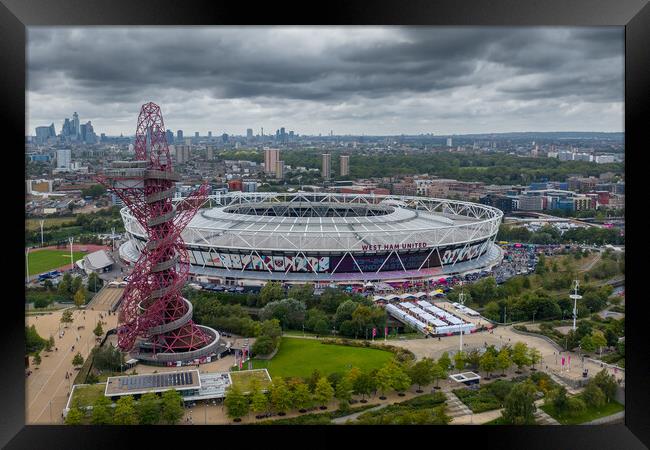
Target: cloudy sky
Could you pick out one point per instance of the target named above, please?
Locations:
(352, 80)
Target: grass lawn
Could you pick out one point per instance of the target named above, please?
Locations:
(587, 415)
(86, 395)
(244, 378)
(45, 260)
(34, 224)
(299, 357)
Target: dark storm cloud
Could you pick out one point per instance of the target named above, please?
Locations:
(362, 72)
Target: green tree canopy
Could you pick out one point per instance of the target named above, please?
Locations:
(171, 407)
(149, 409)
(236, 403)
(125, 413)
(102, 411)
(520, 405)
(324, 392)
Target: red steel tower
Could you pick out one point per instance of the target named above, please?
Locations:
(155, 321)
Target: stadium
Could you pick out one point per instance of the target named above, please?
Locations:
(328, 238)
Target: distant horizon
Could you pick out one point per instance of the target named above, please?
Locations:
(358, 80)
(215, 135)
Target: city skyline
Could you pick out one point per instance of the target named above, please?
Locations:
(353, 80)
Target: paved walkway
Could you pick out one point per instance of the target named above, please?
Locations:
(455, 407)
(351, 417)
(614, 418)
(47, 388)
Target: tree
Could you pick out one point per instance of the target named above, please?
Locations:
(272, 291)
(438, 372)
(302, 398)
(559, 400)
(47, 284)
(37, 359)
(108, 358)
(421, 372)
(520, 404)
(259, 402)
(324, 392)
(63, 288)
(125, 411)
(344, 312)
(48, 345)
(444, 361)
(281, 397)
(520, 355)
(80, 297)
(384, 379)
(75, 285)
(236, 403)
(172, 407)
(149, 409)
(606, 383)
(343, 391)
(98, 331)
(575, 406)
(94, 282)
(534, 355)
(101, 413)
(474, 359)
(290, 312)
(503, 360)
(587, 344)
(363, 384)
(459, 360)
(401, 380)
(66, 317)
(263, 345)
(488, 363)
(593, 395)
(598, 338)
(75, 416)
(271, 328)
(313, 380)
(33, 341)
(78, 360)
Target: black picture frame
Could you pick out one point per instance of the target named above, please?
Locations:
(15, 15)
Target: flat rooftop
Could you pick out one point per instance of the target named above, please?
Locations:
(158, 382)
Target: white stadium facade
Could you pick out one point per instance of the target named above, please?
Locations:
(249, 238)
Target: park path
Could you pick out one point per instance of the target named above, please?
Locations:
(47, 389)
(351, 417)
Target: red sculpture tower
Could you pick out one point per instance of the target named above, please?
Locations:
(155, 321)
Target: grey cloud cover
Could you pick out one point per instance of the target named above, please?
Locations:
(372, 80)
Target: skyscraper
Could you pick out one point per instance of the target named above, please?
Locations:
(75, 124)
(63, 158)
(210, 152)
(279, 170)
(249, 133)
(44, 133)
(209, 134)
(169, 134)
(271, 156)
(449, 141)
(179, 136)
(196, 134)
(224, 138)
(327, 164)
(345, 165)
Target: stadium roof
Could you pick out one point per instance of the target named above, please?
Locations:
(98, 260)
(333, 222)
